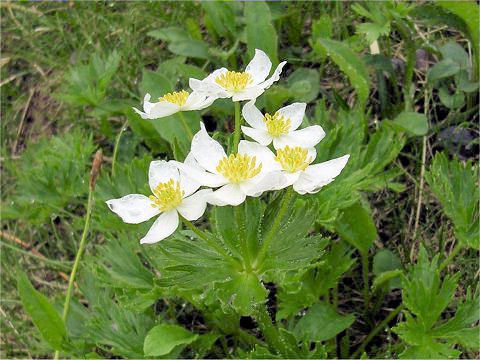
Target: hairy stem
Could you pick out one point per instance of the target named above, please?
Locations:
(242, 236)
(410, 45)
(115, 149)
(276, 223)
(272, 336)
(78, 257)
(238, 120)
(365, 270)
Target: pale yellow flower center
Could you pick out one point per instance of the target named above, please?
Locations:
(168, 195)
(293, 159)
(177, 97)
(277, 124)
(234, 81)
(239, 167)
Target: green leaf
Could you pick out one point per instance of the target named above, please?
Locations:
(161, 339)
(170, 34)
(222, 17)
(322, 322)
(243, 293)
(426, 296)
(411, 122)
(373, 31)
(442, 70)
(355, 225)
(386, 261)
(259, 30)
(456, 53)
(454, 184)
(469, 12)
(44, 316)
(304, 84)
(191, 48)
(351, 65)
(452, 101)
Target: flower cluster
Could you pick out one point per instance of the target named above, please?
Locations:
(228, 179)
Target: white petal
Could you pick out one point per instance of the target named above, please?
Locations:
(209, 86)
(201, 176)
(253, 116)
(275, 76)
(259, 135)
(318, 175)
(259, 184)
(230, 194)
(249, 93)
(263, 155)
(162, 109)
(307, 137)
(133, 208)
(141, 113)
(188, 184)
(163, 227)
(259, 67)
(198, 101)
(194, 206)
(295, 112)
(207, 151)
(160, 172)
(291, 177)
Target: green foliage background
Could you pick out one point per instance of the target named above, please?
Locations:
(390, 263)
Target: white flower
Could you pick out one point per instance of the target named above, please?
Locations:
(247, 173)
(174, 102)
(240, 86)
(294, 163)
(173, 193)
(281, 127)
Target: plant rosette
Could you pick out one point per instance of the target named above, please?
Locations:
(174, 193)
(246, 85)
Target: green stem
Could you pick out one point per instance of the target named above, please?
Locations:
(450, 257)
(272, 336)
(207, 238)
(185, 125)
(375, 331)
(242, 237)
(115, 148)
(410, 44)
(78, 257)
(276, 223)
(365, 270)
(238, 120)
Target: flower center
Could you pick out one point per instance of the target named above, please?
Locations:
(239, 167)
(293, 159)
(177, 97)
(168, 195)
(234, 81)
(277, 124)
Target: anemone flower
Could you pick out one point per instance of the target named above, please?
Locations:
(174, 102)
(246, 85)
(173, 193)
(281, 127)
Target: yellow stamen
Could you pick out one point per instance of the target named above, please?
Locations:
(239, 167)
(177, 97)
(168, 195)
(234, 81)
(277, 124)
(293, 159)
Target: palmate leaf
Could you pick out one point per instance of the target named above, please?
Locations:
(454, 185)
(426, 297)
